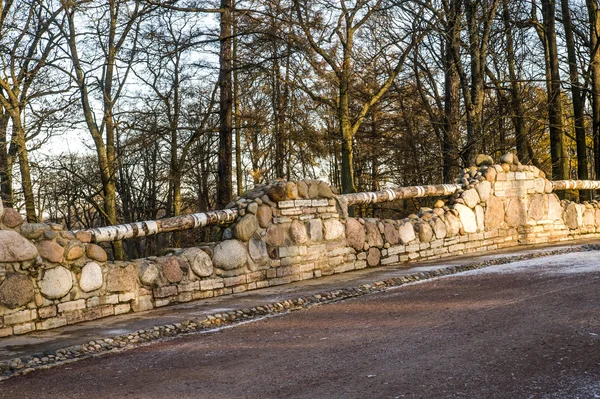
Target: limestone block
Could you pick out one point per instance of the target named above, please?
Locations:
(406, 233)
(467, 218)
(51, 251)
(121, 279)
(245, 227)
(538, 207)
(16, 290)
(516, 212)
(15, 248)
(439, 229)
(264, 215)
(12, 218)
(373, 235)
(484, 189)
(96, 252)
(332, 229)
(355, 234)
(452, 224)
(555, 210)
(315, 229)
(229, 255)
(56, 282)
(199, 261)
(480, 218)
(574, 215)
(91, 277)
(470, 197)
(373, 256)
(391, 233)
(298, 232)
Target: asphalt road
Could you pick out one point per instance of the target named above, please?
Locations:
(524, 330)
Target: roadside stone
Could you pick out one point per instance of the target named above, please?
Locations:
(200, 262)
(373, 235)
(171, 267)
(298, 232)
(373, 256)
(324, 190)
(574, 216)
(33, 231)
(315, 229)
(467, 218)
(494, 213)
(516, 212)
(15, 248)
(16, 290)
(332, 229)
(507, 158)
(538, 207)
(56, 282)
(51, 251)
(484, 189)
(355, 234)
(96, 252)
(264, 215)
(230, 255)
(258, 250)
(12, 218)
(83, 236)
(439, 229)
(122, 279)
(452, 224)
(149, 274)
(480, 218)
(425, 231)
(391, 233)
(302, 189)
(291, 190)
(313, 189)
(74, 250)
(483, 159)
(245, 227)
(490, 174)
(91, 277)
(589, 217)
(406, 233)
(276, 235)
(276, 193)
(539, 185)
(470, 197)
(252, 208)
(555, 209)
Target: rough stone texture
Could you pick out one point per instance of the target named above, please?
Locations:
(91, 277)
(298, 232)
(332, 229)
(15, 248)
(490, 174)
(149, 274)
(172, 269)
(538, 207)
(16, 290)
(258, 250)
(406, 233)
(494, 213)
(539, 185)
(74, 250)
(56, 282)
(291, 190)
(373, 235)
(555, 210)
(252, 208)
(480, 217)
(276, 234)
(12, 218)
(483, 159)
(246, 227)
(589, 217)
(324, 190)
(276, 193)
(313, 189)
(96, 252)
(470, 197)
(302, 189)
(452, 224)
(439, 228)
(122, 279)
(33, 230)
(516, 212)
(467, 218)
(391, 233)
(315, 229)
(507, 158)
(229, 255)
(51, 251)
(484, 190)
(574, 216)
(264, 216)
(199, 261)
(425, 231)
(373, 256)
(597, 220)
(355, 234)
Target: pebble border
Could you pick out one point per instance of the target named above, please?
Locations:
(23, 365)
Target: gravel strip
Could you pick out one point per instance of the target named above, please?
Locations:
(47, 359)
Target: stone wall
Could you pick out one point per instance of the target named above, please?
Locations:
(285, 232)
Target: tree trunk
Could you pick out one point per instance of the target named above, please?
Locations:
(224, 190)
(594, 17)
(23, 157)
(5, 164)
(237, 115)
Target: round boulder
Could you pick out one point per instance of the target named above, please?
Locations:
(172, 269)
(15, 248)
(298, 232)
(96, 252)
(199, 261)
(149, 274)
(276, 193)
(246, 227)
(373, 256)
(355, 234)
(333, 229)
(230, 255)
(74, 250)
(16, 290)
(12, 218)
(91, 277)
(51, 251)
(56, 283)
(264, 215)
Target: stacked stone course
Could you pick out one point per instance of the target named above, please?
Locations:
(285, 232)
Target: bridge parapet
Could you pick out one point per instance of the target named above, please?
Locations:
(277, 234)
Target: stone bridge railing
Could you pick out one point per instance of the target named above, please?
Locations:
(277, 234)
